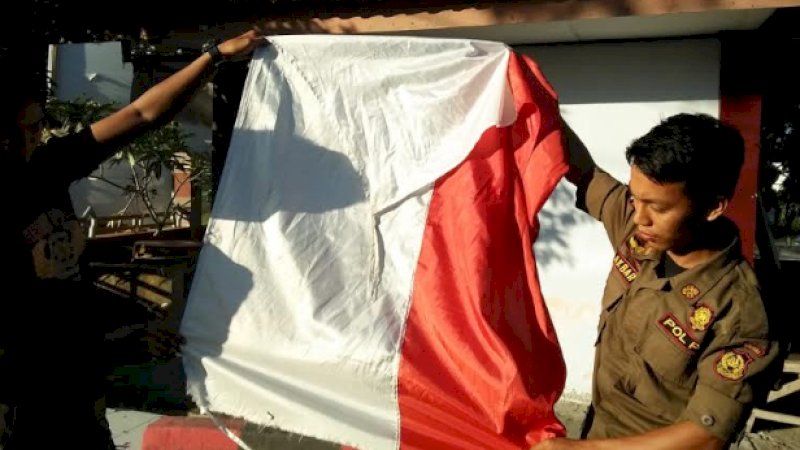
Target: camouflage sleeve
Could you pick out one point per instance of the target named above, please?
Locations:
(733, 370)
(606, 199)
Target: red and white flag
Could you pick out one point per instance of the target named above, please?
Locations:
(368, 275)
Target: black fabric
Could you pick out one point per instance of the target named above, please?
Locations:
(670, 268)
(80, 425)
(51, 338)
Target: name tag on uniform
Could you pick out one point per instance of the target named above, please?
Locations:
(676, 331)
(626, 265)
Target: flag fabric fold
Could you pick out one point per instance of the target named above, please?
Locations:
(367, 276)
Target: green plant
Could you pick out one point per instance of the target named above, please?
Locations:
(160, 151)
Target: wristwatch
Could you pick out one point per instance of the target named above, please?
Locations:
(212, 49)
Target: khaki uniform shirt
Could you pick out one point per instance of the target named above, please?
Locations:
(686, 348)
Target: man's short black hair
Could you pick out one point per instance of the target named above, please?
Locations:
(696, 149)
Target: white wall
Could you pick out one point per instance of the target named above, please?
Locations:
(610, 94)
(92, 71)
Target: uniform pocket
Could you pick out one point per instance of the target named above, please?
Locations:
(610, 301)
(667, 369)
(663, 399)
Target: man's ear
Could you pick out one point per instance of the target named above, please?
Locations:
(717, 209)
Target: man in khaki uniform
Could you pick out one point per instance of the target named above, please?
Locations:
(683, 340)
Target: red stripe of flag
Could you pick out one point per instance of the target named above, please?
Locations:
(481, 366)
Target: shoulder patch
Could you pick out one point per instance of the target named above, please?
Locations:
(732, 365)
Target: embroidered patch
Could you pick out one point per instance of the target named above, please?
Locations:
(636, 247)
(701, 317)
(732, 365)
(756, 349)
(677, 332)
(690, 291)
(625, 268)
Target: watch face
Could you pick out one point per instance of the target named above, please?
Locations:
(209, 45)
(213, 50)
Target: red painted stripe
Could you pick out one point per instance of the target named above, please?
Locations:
(189, 433)
(741, 91)
(744, 112)
(481, 366)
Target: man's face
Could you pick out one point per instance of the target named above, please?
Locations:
(663, 213)
(30, 123)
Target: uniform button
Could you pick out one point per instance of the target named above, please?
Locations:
(707, 420)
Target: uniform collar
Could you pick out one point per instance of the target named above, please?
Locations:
(693, 283)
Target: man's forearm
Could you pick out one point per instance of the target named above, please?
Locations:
(153, 104)
(159, 101)
(683, 435)
(680, 436)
